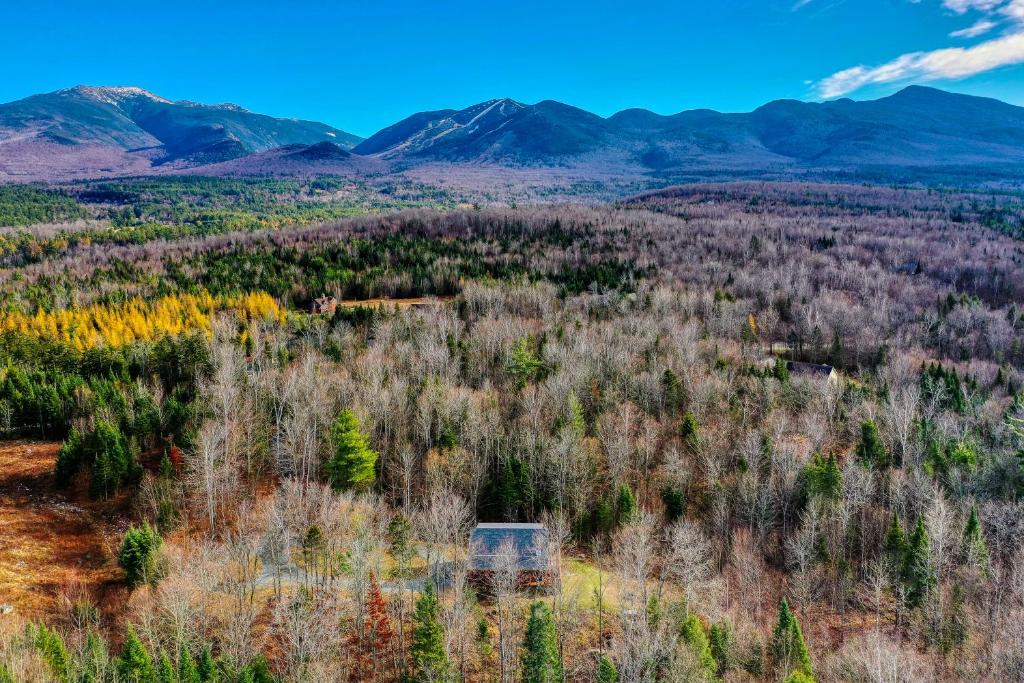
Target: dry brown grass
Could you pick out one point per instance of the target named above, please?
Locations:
(52, 543)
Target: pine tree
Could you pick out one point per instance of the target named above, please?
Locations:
(956, 624)
(134, 664)
(137, 556)
(625, 505)
(918, 572)
(823, 478)
(672, 388)
(689, 430)
(95, 659)
(54, 652)
(165, 671)
(788, 649)
(871, 450)
(694, 635)
(208, 672)
(723, 646)
(429, 659)
(353, 465)
(894, 547)
(188, 672)
(975, 546)
(523, 365)
(257, 671)
(542, 662)
(606, 671)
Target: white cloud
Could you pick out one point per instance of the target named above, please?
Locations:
(979, 28)
(963, 6)
(1014, 10)
(946, 63)
(953, 62)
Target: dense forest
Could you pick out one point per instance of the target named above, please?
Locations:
(775, 432)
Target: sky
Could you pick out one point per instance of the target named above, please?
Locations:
(363, 65)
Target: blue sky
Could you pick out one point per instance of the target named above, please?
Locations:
(364, 65)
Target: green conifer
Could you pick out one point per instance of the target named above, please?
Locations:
(542, 662)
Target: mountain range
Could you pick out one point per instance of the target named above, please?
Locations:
(85, 131)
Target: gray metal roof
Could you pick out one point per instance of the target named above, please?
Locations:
(809, 368)
(529, 543)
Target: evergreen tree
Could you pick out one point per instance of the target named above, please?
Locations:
(429, 659)
(542, 662)
(208, 672)
(257, 671)
(134, 664)
(188, 672)
(353, 465)
(788, 650)
(871, 450)
(781, 371)
(95, 659)
(165, 670)
(975, 546)
(674, 501)
(606, 671)
(823, 478)
(672, 389)
(54, 652)
(918, 571)
(689, 430)
(694, 635)
(723, 646)
(138, 555)
(956, 624)
(894, 547)
(523, 366)
(625, 505)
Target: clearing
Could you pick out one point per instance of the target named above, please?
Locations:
(53, 544)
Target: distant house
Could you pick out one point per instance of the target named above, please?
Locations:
(324, 304)
(815, 371)
(522, 548)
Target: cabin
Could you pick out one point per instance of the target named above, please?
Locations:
(524, 547)
(815, 371)
(324, 304)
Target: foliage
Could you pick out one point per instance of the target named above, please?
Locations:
(138, 555)
(823, 478)
(134, 664)
(871, 450)
(542, 661)
(427, 652)
(352, 466)
(918, 567)
(695, 635)
(788, 650)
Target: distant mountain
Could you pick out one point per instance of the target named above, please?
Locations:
(917, 132)
(916, 127)
(493, 130)
(84, 122)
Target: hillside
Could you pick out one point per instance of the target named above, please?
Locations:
(101, 130)
(916, 135)
(916, 127)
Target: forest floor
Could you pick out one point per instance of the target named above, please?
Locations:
(54, 546)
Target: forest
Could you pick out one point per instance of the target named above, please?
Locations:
(773, 431)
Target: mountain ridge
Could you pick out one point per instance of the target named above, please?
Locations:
(107, 130)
